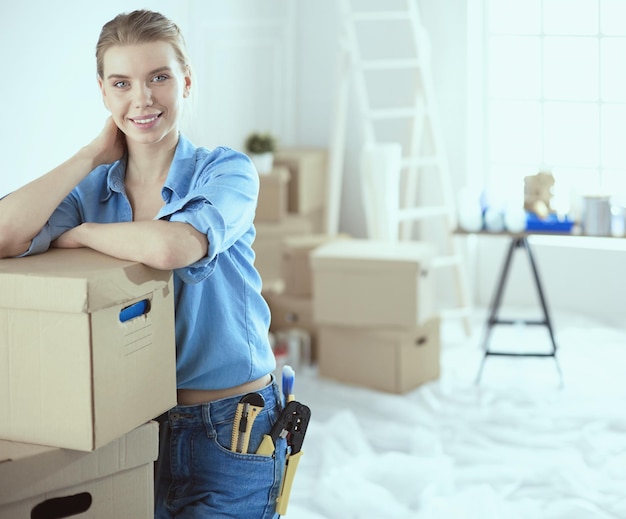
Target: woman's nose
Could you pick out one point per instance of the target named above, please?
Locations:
(143, 97)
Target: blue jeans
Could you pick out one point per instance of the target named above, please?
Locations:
(198, 476)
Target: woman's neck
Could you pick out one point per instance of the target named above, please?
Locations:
(149, 162)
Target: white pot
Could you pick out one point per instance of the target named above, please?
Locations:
(470, 217)
(494, 220)
(264, 162)
(515, 219)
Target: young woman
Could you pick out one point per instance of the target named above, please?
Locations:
(142, 191)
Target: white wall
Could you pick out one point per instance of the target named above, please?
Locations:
(243, 56)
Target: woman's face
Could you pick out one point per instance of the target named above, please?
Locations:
(143, 86)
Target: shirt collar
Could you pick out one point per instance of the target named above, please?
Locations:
(178, 178)
(181, 171)
(115, 179)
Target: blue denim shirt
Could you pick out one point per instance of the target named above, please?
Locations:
(221, 318)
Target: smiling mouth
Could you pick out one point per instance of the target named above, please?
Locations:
(146, 119)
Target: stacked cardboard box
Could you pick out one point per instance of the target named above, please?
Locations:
(272, 204)
(116, 480)
(291, 300)
(289, 223)
(373, 309)
(292, 201)
(88, 343)
(307, 186)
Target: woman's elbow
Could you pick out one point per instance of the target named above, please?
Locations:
(176, 254)
(163, 260)
(11, 245)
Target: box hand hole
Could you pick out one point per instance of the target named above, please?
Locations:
(420, 341)
(291, 317)
(135, 310)
(60, 507)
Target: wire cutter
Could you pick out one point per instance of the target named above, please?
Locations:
(292, 424)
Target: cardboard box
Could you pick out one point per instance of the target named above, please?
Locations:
(296, 261)
(391, 360)
(289, 313)
(309, 172)
(268, 244)
(272, 204)
(72, 373)
(372, 283)
(115, 481)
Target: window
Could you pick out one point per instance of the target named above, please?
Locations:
(555, 95)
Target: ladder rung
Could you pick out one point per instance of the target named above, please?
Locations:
(456, 313)
(445, 261)
(378, 16)
(417, 213)
(391, 113)
(420, 161)
(390, 64)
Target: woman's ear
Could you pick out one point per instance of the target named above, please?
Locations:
(188, 82)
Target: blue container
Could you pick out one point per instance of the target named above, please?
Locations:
(552, 223)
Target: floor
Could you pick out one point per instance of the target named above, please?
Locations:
(519, 445)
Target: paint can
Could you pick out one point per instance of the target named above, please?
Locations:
(596, 217)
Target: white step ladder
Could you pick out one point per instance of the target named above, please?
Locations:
(411, 122)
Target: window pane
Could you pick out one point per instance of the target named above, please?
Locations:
(515, 67)
(614, 182)
(514, 132)
(570, 16)
(514, 16)
(570, 184)
(612, 14)
(613, 131)
(506, 184)
(556, 92)
(571, 134)
(613, 78)
(571, 68)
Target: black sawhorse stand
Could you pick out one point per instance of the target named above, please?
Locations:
(517, 242)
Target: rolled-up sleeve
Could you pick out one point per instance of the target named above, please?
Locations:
(219, 201)
(40, 243)
(65, 217)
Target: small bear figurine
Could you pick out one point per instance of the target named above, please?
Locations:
(538, 193)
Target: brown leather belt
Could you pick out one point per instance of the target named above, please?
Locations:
(201, 396)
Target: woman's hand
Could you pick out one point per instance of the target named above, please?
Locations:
(108, 146)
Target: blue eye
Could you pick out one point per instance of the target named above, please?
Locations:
(120, 84)
(159, 78)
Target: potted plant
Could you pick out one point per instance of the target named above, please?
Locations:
(261, 146)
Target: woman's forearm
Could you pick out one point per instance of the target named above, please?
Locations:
(156, 243)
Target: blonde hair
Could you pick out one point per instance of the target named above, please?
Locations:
(140, 26)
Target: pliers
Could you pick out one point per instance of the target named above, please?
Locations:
(291, 424)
